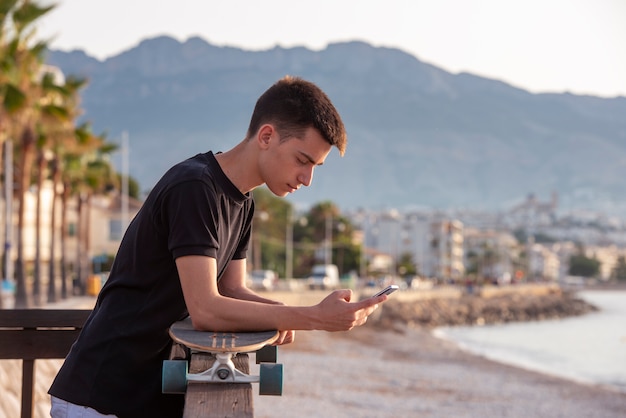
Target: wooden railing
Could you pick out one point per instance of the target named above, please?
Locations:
(31, 334)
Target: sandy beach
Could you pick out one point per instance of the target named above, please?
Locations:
(364, 373)
(398, 373)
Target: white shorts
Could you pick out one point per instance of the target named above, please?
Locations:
(64, 409)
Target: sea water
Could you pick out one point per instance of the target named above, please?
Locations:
(588, 349)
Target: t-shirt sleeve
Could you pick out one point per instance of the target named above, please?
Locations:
(244, 243)
(191, 215)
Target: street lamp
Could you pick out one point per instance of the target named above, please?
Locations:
(289, 243)
(328, 241)
(262, 216)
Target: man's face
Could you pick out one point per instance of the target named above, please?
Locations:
(287, 165)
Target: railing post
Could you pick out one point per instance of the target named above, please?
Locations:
(28, 388)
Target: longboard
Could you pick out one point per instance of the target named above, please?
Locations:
(224, 346)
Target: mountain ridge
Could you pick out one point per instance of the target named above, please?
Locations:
(418, 135)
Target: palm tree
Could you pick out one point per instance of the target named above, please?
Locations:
(12, 97)
(99, 178)
(15, 19)
(64, 139)
(65, 178)
(23, 58)
(55, 176)
(86, 172)
(55, 118)
(66, 175)
(11, 100)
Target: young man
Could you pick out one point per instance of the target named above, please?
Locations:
(184, 254)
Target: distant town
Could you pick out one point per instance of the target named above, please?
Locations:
(530, 242)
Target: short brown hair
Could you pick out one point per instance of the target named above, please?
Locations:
(293, 105)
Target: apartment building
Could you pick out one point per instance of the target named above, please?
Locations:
(446, 250)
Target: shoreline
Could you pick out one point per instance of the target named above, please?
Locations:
(369, 373)
(437, 333)
(586, 349)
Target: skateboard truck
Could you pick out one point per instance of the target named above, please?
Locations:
(223, 370)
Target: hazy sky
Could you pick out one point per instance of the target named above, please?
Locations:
(539, 45)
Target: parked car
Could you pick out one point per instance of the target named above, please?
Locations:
(262, 279)
(324, 276)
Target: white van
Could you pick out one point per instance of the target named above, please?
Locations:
(324, 276)
(262, 279)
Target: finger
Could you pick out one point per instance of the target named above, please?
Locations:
(290, 336)
(345, 294)
(373, 300)
(285, 337)
(279, 340)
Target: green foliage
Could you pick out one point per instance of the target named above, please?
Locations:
(619, 272)
(521, 235)
(406, 265)
(472, 262)
(133, 186)
(269, 231)
(581, 265)
(5, 7)
(27, 13)
(325, 217)
(274, 216)
(13, 98)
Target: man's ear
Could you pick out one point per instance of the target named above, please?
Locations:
(265, 135)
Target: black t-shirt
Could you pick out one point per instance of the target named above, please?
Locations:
(115, 364)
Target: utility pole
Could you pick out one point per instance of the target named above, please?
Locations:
(125, 174)
(8, 217)
(289, 246)
(328, 250)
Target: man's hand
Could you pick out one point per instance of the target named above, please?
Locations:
(285, 337)
(337, 313)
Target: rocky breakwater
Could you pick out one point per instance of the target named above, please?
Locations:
(484, 306)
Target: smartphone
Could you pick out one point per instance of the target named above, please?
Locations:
(387, 290)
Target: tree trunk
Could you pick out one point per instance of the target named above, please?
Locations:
(78, 262)
(26, 162)
(7, 209)
(37, 297)
(52, 289)
(87, 269)
(65, 194)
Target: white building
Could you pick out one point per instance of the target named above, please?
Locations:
(543, 263)
(105, 229)
(447, 249)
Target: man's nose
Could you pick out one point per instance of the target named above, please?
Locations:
(306, 177)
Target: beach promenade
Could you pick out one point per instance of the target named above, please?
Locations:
(404, 373)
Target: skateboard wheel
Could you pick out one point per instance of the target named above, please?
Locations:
(271, 379)
(267, 354)
(174, 376)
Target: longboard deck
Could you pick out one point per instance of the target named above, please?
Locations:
(183, 333)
